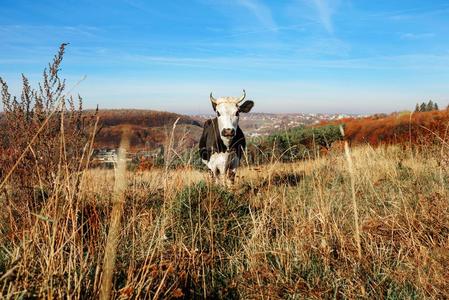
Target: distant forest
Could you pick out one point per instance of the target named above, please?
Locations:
(148, 129)
(146, 118)
(429, 106)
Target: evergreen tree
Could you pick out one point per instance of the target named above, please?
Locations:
(430, 105)
(417, 107)
(435, 106)
(423, 107)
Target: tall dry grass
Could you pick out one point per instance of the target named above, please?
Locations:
(285, 231)
(118, 202)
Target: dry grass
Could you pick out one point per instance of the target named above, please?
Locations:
(285, 231)
(110, 253)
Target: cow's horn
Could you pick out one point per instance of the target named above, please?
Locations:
(212, 99)
(242, 98)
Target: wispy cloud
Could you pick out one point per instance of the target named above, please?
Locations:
(19, 29)
(413, 14)
(261, 12)
(392, 62)
(325, 10)
(417, 36)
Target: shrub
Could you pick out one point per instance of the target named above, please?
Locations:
(294, 144)
(62, 132)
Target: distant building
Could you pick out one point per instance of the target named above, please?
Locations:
(106, 155)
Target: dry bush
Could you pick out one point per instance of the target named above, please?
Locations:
(62, 133)
(23, 117)
(44, 140)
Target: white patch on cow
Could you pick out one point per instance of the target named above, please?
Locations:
(226, 140)
(218, 162)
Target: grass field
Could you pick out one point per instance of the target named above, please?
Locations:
(284, 231)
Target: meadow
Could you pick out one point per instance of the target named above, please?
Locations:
(286, 230)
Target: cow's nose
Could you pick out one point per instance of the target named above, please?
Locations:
(228, 132)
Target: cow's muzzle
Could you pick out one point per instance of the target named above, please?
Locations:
(228, 132)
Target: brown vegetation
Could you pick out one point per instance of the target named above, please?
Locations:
(42, 133)
(405, 128)
(149, 128)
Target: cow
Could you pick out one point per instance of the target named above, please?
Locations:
(223, 142)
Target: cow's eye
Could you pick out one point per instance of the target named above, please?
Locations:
(237, 113)
(218, 114)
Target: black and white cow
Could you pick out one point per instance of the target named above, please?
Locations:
(223, 142)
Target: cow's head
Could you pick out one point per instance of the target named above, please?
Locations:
(228, 110)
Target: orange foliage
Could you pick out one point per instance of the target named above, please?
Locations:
(415, 128)
(145, 165)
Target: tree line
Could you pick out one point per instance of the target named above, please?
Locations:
(429, 106)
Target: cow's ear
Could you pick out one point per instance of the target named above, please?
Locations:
(246, 106)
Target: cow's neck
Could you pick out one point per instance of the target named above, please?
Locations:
(226, 142)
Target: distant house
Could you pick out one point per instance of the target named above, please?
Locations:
(150, 154)
(105, 155)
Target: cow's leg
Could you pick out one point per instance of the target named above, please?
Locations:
(232, 169)
(213, 173)
(221, 170)
(217, 176)
(213, 168)
(222, 177)
(210, 176)
(219, 164)
(210, 173)
(231, 176)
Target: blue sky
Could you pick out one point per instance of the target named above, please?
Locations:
(289, 55)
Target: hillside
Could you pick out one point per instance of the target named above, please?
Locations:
(419, 129)
(400, 128)
(149, 128)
